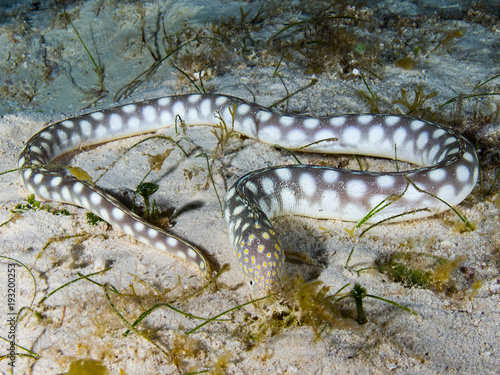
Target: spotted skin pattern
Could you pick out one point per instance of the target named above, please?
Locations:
(448, 171)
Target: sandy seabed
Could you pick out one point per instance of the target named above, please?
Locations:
(47, 75)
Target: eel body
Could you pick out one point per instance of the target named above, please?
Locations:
(446, 174)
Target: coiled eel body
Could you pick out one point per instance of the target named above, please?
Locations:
(448, 170)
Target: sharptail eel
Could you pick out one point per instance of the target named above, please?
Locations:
(448, 170)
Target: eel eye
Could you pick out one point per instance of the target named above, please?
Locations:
(251, 283)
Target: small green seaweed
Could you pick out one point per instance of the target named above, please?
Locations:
(310, 304)
(386, 202)
(171, 46)
(125, 91)
(209, 169)
(11, 219)
(462, 97)
(333, 139)
(81, 277)
(225, 267)
(472, 94)
(278, 65)
(147, 312)
(29, 354)
(80, 236)
(93, 219)
(87, 366)
(155, 161)
(300, 303)
(482, 83)
(370, 97)
(32, 204)
(358, 293)
(145, 190)
(409, 269)
(410, 212)
(470, 226)
(324, 39)
(423, 270)
(216, 317)
(200, 88)
(441, 275)
(80, 173)
(127, 324)
(63, 212)
(310, 84)
(100, 91)
(350, 253)
(107, 288)
(222, 132)
(417, 106)
(289, 152)
(448, 40)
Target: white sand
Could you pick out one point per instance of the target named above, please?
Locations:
(456, 332)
